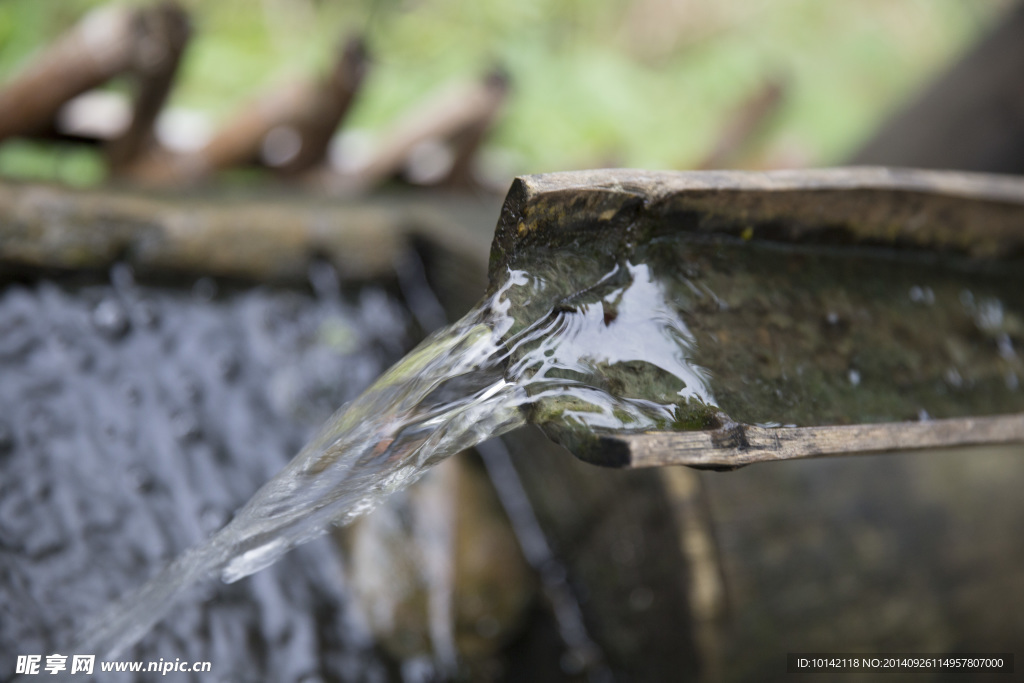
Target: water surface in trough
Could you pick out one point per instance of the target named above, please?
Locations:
(705, 330)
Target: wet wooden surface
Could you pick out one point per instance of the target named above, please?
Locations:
(737, 445)
(268, 238)
(968, 213)
(979, 216)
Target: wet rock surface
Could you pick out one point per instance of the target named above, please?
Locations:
(134, 420)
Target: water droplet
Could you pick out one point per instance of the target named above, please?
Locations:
(854, 376)
(832, 318)
(110, 318)
(954, 378)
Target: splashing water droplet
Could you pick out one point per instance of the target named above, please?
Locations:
(110, 318)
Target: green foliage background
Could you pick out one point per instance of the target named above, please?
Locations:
(590, 88)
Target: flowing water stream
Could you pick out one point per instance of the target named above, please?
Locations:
(679, 334)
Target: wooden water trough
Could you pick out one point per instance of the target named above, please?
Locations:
(980, 217)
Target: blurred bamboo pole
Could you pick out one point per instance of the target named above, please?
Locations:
(161, 34)
(108, 42)
(745, 123)
(303, 117)
(459, 115)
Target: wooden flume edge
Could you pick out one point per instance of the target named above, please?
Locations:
(736, 445)
(974, 214)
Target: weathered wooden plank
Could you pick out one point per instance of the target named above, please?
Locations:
(460, 113)
(970, 213)
(310, 112)
(735, 445)
(145, 43)
(251, 238)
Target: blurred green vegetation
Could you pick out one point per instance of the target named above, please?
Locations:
(596, 82)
